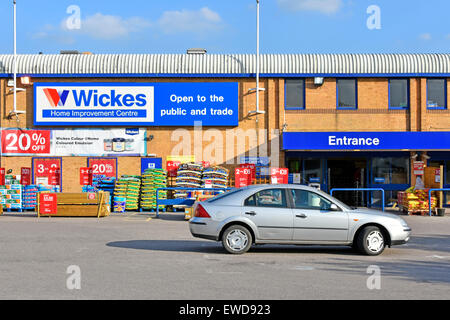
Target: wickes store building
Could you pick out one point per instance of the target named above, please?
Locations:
(340, 121)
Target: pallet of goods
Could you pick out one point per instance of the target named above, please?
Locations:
(127, 187)
(416, 201)
(153, 179)
(11, 197)
(29, 197)
(216, 175)
(189, 175)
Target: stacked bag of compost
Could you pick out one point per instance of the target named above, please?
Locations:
(189, 175)
(153, 179)
(126, 193)
(218, 176)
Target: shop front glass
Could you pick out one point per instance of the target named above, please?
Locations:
(391, 174)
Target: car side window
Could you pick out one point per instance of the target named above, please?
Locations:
(304, 199)
(268, 198)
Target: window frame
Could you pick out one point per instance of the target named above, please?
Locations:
(286, 198)
(303, 94)
(445, 95)
(292, 202)
(408, 92)
(356, 94)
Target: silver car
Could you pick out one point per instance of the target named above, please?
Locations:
(293, 214)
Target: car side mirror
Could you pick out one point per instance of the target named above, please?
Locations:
(334, 207)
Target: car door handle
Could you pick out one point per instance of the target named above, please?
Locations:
(301, 215)
(252, 213)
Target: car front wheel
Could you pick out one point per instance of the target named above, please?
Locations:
(237, 239)
(371, 241)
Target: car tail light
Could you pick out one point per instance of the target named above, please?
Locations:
(200, 212)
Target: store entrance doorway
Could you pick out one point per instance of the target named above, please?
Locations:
(344, 173)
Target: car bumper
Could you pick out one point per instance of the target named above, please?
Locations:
(401, 236)
(204, 228)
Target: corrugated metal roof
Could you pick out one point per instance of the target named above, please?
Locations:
(226, 64)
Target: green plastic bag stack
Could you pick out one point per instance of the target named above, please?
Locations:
(129, 187)
(153, 179)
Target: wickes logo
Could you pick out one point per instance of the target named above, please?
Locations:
(92, 98)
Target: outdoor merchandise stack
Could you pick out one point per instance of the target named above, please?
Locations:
(29, 197)
(218, 176)
(189, 175)
(11, 196)
(153, 179)
(416, 200)
(126, 193)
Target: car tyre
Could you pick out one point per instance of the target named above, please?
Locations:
(371, 241)
(237, 239)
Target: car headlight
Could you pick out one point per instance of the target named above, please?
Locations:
(403, 223)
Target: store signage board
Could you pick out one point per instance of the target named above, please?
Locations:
(2, 176)
(250, 166)
(47, 171)
(150, 163)
(85, 176)
(48, 203)
(419, 168)
(136, 104)
(74, 142)
(242, 177)
(25, 176)
(279, 175)
(103, 166)
(366, 141)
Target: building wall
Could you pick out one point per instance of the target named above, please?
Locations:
(254, 133)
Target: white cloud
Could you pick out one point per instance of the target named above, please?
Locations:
(425, 36)
(107, 27)
(199, 21)
(322, 6)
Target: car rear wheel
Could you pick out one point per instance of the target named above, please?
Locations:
(371, 241)
(237, 239)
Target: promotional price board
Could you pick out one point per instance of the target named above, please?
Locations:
(18, 141)
(242, 177)
(47, 171)
(172, 167)
(25, 176)
(252, 168)
(279, 175)
(47, 203)
(103, 166)
(85, 176)
(419, 168)
(2, 176)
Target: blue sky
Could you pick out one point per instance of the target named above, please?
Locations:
(287, 26)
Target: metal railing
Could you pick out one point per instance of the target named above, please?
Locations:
(181, 201)
(363, 189)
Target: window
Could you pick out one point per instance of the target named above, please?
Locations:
(267, 198)
(436, 94)
(390, 170)
(398, 93)
(304, 199)
(346, 94)
(294, 94)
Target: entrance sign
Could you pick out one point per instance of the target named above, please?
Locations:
(366, 141)
(136, 104)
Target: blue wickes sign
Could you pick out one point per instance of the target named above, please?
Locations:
(366, 141)
(136, 104)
